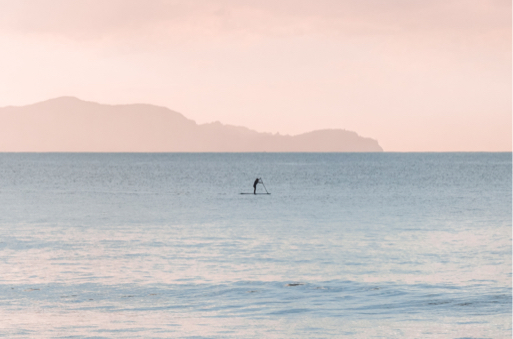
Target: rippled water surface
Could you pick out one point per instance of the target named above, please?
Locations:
(163, 245)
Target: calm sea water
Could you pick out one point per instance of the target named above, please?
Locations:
(163, 245)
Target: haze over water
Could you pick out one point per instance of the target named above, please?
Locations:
(418, 76)
(163, 245)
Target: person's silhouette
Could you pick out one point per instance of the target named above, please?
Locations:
(257, 180)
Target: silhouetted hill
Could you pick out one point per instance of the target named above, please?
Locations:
(68, 124)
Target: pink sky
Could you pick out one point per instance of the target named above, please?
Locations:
(415, 75)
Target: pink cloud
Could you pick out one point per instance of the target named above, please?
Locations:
(381, 68)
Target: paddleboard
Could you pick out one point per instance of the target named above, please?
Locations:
(256, 193)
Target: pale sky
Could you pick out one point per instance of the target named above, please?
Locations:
(417, 75)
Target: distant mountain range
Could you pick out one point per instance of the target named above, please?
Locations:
(69, 124)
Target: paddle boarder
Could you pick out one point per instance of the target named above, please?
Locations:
(257, 180)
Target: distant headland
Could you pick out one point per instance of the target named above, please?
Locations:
(68, 124)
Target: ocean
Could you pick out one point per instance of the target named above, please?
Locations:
(359, 245)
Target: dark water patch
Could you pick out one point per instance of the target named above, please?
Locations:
(290, 311)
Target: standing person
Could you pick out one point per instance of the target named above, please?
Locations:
(257, 180)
